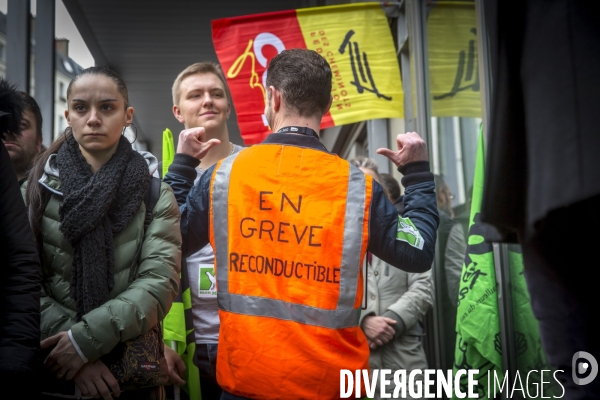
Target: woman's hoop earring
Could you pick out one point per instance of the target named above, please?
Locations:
(134, 129)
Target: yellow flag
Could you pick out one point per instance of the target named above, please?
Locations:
(356, 41)
(453, 67)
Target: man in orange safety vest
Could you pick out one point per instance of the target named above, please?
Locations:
(290, 224)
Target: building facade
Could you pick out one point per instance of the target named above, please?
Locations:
(65, 69)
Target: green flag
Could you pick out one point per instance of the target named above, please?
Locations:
(478, 340)
(168, 150)
(477, 324)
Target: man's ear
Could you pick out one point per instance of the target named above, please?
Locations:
(275, 98)
(328, 105)
(178, 116)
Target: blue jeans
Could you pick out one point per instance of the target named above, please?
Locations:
(229, 396)
(206, 361)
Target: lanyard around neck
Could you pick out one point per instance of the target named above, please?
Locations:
(303, 130)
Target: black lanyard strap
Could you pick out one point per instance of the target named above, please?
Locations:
(303, 130)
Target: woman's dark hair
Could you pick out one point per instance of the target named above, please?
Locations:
(37, 198)
(107, 72)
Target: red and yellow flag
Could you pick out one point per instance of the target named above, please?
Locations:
(355, 39)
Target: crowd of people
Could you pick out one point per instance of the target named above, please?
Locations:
(95, 267)
(267, 241)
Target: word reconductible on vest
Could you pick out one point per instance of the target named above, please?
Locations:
(281, 232)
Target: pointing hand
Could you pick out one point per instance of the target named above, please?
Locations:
(191, 142)
(411, 147)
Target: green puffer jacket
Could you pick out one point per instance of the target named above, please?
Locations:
(133, 308)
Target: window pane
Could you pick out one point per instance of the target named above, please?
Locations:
(467, 297)
(456, 110)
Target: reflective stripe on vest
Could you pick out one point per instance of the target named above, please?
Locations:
(346, 314)
(220, 222)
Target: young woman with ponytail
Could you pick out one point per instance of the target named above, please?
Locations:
(86, 208)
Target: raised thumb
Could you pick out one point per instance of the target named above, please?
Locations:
(385, 152)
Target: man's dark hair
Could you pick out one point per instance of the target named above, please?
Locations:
(304, 79)
(11, 109)
(392, 186)
(32, 105)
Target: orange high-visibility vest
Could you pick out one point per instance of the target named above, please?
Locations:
(289, 227)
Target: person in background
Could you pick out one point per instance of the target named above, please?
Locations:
(397, 302)
(106, 276)
(456, 248)
(444, 199)
(393, 188)
(19, 260)
(201, 100)
(369, 167)
(450, 268)
(24, 148)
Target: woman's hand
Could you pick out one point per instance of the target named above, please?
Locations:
(63, 359)
(96, 380)
(175, 365)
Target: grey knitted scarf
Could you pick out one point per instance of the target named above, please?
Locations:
(95, 208)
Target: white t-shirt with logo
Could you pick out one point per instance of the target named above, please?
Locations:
(201, 274)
